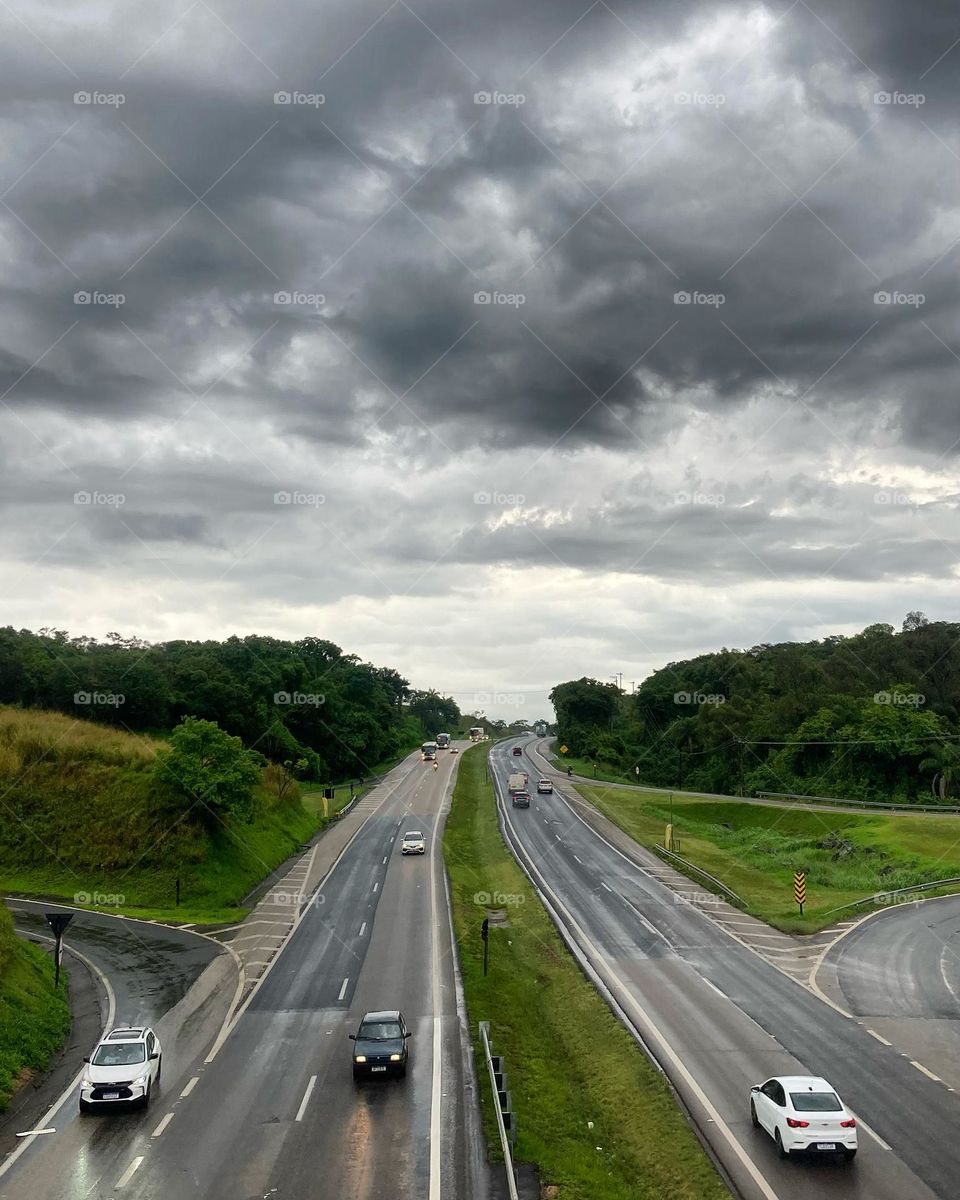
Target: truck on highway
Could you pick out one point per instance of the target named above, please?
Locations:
(476, 733)
(516, 782)
(428, 752)
(443, 741)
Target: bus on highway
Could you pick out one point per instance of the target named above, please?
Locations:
(443, 741)
(428, 752)
(476, 733)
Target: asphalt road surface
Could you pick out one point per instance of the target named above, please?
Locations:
(276, 1112)
(720, 1018)
(900, 971)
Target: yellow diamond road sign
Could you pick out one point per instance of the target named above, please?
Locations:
(563, 749)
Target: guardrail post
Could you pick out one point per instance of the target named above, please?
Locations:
(503, 1102)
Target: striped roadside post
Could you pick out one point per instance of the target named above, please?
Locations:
(800, 888)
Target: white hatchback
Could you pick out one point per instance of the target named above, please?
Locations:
(413, 843)
(123, 1069)
(803, 1113)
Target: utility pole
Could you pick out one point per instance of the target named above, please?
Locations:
(740, 749)
(680, 785)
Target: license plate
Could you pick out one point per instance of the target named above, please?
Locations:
(826, 1145)
(378, 1068)
(111, 1095)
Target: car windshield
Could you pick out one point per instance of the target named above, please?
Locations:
(119, 1054)
(816, 1101)
(379, 1031)
(413, 837)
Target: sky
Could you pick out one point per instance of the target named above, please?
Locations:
(500, 344)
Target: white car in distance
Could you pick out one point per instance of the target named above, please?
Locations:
(413, 843)
(803, 1113)
(123, 1069)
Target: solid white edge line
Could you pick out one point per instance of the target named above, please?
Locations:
(873, 1033)
(872, 1132)
(923, 1069)
(306, 1098)
(190, 1086)
(665, 1049)
(437, 1081)
(362, 928)
(343, 988)
(71, 1087)
(162, 1126)
(128, 1173)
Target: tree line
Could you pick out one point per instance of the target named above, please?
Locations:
(872, 717)
(301, 702)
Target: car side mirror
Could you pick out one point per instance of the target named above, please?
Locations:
(408, 1034)
(352, 1036)
(755, 1088)
(155, 1054)
(86, 1058)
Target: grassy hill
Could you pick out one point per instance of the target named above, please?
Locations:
(84, 818)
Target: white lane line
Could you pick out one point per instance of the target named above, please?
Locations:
(650, 928)
(436, 1093)
(873, 1133)
(557, 836)
(35, 1132)
(190, 1086)
(343, 988)
(879, 1038)
(384, 858)
(579, 860)
(645, 1023)
(362, 928)
(603, 885)
(306, 1098)
(376, 885)
(128, 1173)
(929, 1074)
(71, 1089)
(163, 1124)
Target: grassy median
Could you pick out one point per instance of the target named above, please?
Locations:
(756, 848)
(592, 1113)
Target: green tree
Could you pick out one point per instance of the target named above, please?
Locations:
(210, 769)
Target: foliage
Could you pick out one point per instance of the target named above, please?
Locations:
(873, 717)
(291, 700)
(210, 769)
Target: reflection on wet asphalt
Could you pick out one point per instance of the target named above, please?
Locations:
(150, 967)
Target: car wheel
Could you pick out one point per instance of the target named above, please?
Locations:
(780, 1150)
(159, 1067)
(402, 1073)
(145, 1102)
(356, 1075)
(84, 1107)
(754, 1120)
(849, 1155)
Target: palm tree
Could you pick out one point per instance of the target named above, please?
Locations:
(944, 762)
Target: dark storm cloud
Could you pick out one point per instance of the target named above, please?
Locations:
(303, 291)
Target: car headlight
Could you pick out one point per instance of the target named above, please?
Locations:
(394, 1057)
(360, 1058)
(86, 1083)
(143, 1080)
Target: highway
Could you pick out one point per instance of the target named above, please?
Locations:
(272, 1109)
(720, 1018)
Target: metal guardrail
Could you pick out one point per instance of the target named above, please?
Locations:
(501, 1103)
(931, 808)
(671, 857)
(886, 897)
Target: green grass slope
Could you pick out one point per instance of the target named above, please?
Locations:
(84, 820)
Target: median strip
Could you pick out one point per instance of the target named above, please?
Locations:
(592, 1112)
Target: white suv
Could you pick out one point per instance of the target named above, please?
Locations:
(413, 843)
(123, 1069)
